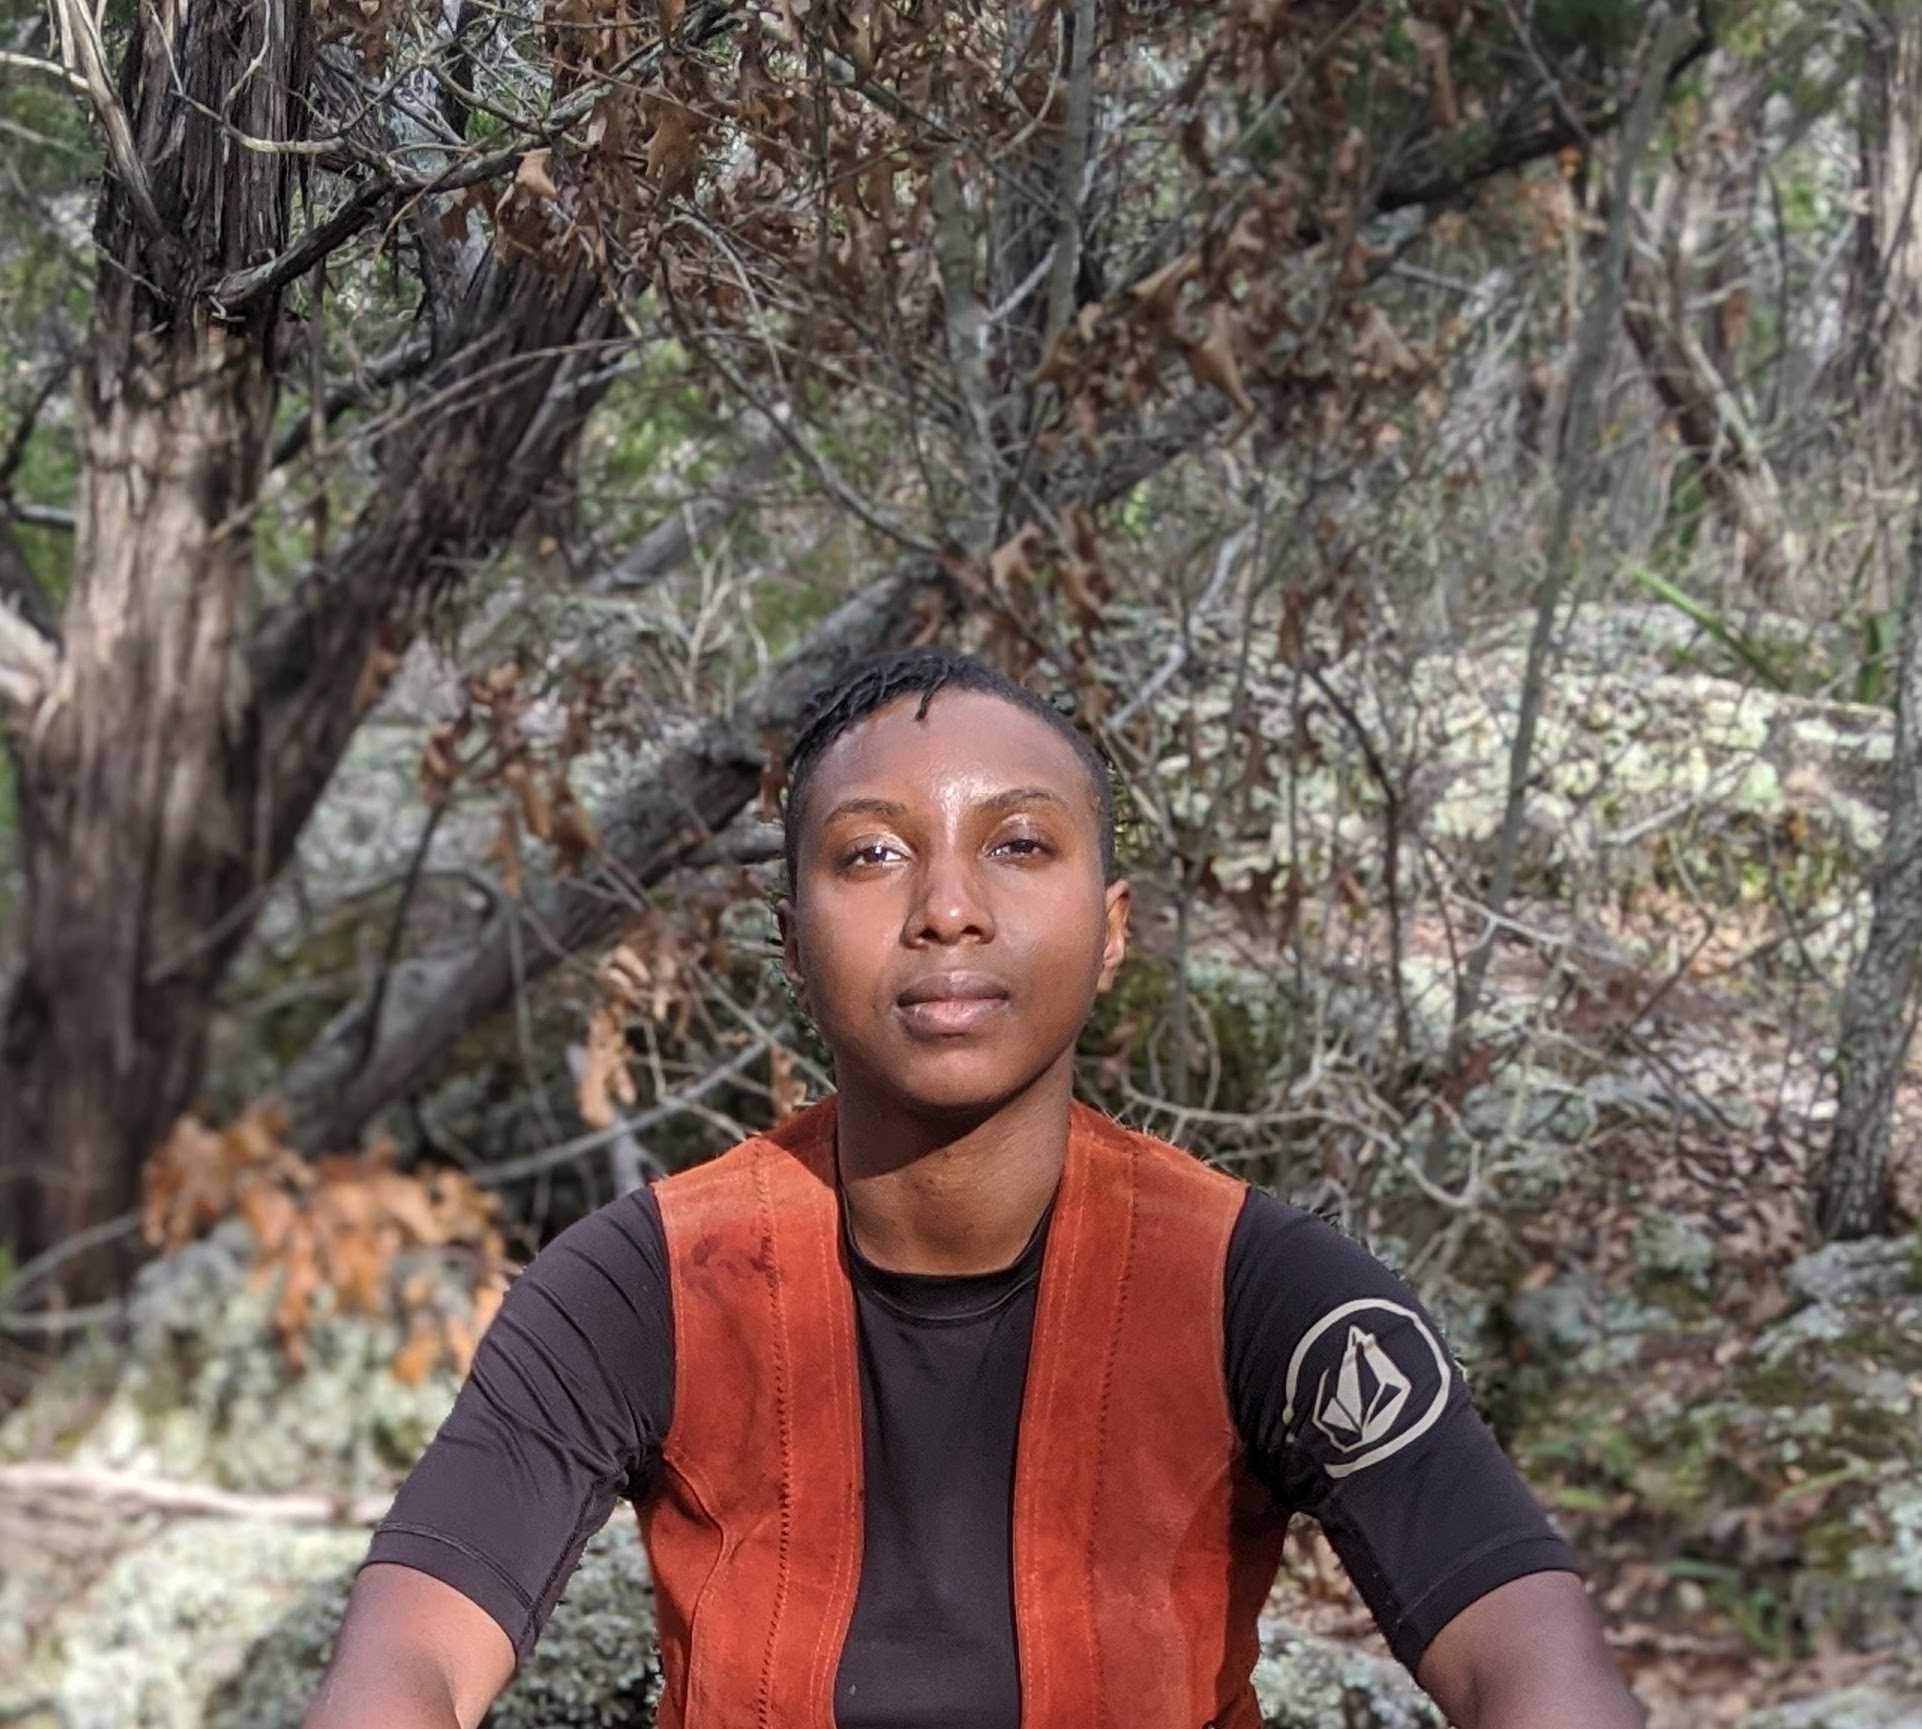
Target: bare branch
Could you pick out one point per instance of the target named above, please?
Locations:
(668, 545)
(1591, 354)
(650, 830)
(41, 1478)
(1518, 151)
(385, 194)
(41, 515)
(392, 367)
(84, 54)
(52, 68)
(367, 205)
(1068, 189)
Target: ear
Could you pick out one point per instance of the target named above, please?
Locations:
(1114, 948)
(784, 916)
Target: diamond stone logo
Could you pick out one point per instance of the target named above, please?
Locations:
(1372, 1376)
(1367, 1395)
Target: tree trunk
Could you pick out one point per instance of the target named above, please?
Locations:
(1850, 1181)
(134, 773)
(169, 759)
(1877, 1018)
(1688, 282)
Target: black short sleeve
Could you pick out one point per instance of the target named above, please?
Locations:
(1354, 1412)
(566, 1407)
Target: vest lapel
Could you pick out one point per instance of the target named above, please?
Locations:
(756, 1538)
(1059, 1457)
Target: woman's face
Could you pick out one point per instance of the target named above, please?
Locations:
(951, 927)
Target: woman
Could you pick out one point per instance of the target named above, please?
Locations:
(951, 1402)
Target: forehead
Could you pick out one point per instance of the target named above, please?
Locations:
(969, 743)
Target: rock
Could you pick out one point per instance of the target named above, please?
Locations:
(1578, 1326)
(216, 1624)
(1669, 1246)
(1308, 1683)
(1781, 1468)
(200, 1391)
(173, 1620)
(1875, 1267)
(1894, 1703)
(593, 1668)
(223, 1624)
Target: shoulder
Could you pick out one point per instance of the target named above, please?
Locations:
(1302, 1261)
(1154, 1161)
(587, 1328)
(604, 1263)
(796, 1153)
(1329, 1343)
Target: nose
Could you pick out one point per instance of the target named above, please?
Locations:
(949, 906)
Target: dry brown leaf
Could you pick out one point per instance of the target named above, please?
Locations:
(505, 852)
(376, 673)
(1213, 360)
(532, 176)
(605, 1077)
(1156, 295)
(415, 1360)
(270, 1213)
(671, 157)
(1008, 564)
(458, 1339)
(1431, 42)
(573, 834)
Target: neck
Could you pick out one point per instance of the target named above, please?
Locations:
(957, 1197)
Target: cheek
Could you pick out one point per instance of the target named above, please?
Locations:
(1068, 943)
(843, 954)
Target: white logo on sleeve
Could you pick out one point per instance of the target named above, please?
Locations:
(1366, 1404)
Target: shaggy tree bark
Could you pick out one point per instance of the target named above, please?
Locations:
(169, 747)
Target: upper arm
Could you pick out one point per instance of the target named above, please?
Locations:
(411, 1650)
(566, 1408)
(1529, 1652)
(1354, 1411)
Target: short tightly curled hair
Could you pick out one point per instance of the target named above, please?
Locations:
(880, 679)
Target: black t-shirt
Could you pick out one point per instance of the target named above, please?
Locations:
(1349, 1406)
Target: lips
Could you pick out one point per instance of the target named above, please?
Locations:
(953, 987)
(945, 1005)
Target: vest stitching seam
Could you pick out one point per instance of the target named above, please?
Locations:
(1054, 1357)
(1101, 1433)
(844, 1351)
(700, 1185)
(764, 1711)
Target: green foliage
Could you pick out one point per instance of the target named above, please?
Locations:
(1746, 649)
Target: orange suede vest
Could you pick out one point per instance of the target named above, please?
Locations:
(1143, 1548)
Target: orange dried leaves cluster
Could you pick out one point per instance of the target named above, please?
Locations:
(347, 1228)
(537, 797)
(646, 976)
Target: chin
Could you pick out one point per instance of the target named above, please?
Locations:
(951, 1085)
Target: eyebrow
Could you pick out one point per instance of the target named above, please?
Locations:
(894, 811)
